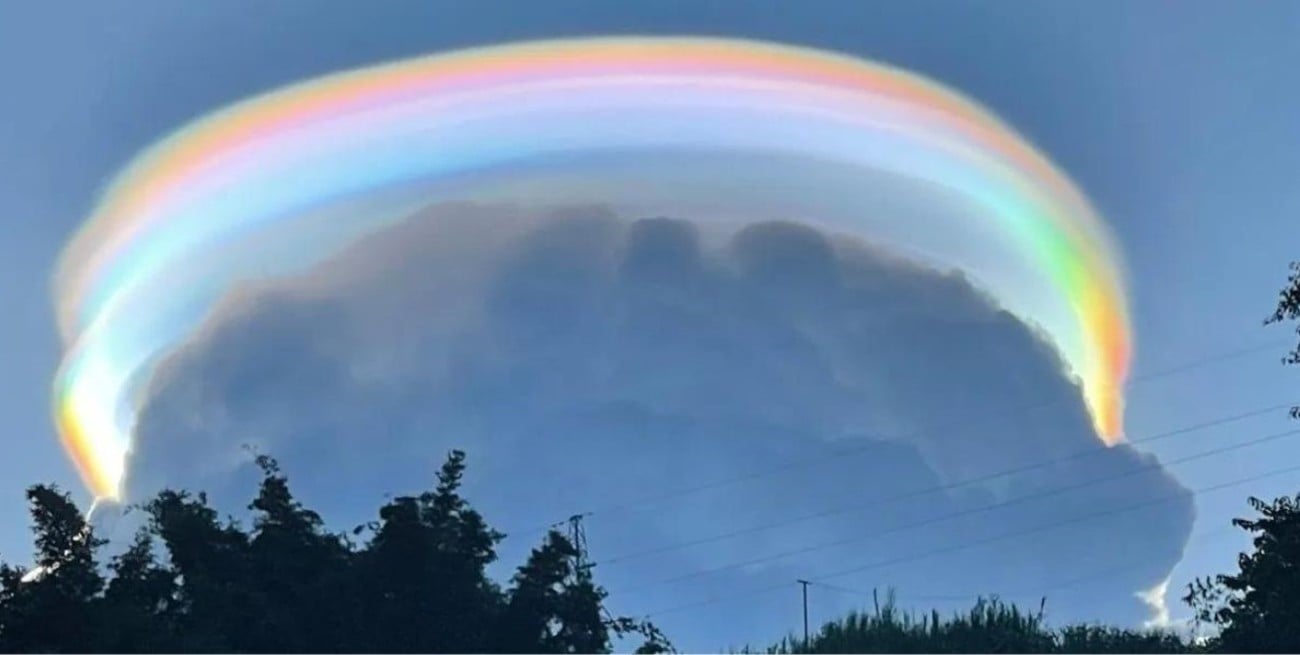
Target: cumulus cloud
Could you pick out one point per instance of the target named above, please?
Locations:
(1155, 599)
(583, 359)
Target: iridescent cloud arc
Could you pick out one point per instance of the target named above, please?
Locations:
(279, 182)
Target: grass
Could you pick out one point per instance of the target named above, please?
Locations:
(991, 626)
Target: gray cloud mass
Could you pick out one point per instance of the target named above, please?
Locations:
(583, 360)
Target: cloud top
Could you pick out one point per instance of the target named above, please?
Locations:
(584, 359)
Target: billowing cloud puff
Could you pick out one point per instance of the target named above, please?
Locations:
(585, 359)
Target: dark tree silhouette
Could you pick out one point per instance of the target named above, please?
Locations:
(295, 566)
(554, 605)
(50, 608)
(427, 559)
(218, 608)
(418, 584)
(1257, 609)
(138, 606)
(1288, 309)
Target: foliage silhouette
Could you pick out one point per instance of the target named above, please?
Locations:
(1257, 609)
(63, 587)
(190, 582)
(419, 584)
(1288, 309)
(990, 626)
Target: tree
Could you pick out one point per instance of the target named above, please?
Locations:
(217, 606)
(1288, 309)
(297, 567)
(1257, 609)
(419, 584)
(554, 606)
(49, 607)
(139, 603)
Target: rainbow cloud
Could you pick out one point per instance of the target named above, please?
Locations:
(717, 128)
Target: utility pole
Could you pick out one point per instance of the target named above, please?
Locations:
(804, 584)
(578, 537)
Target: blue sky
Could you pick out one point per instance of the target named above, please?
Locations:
(1178, 120)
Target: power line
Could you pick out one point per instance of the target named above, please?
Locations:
(855, 507)
(1211, 359)
(961, 546)
(1099, 574)
(1150, 466)
(857, 450)
(1078, 519)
